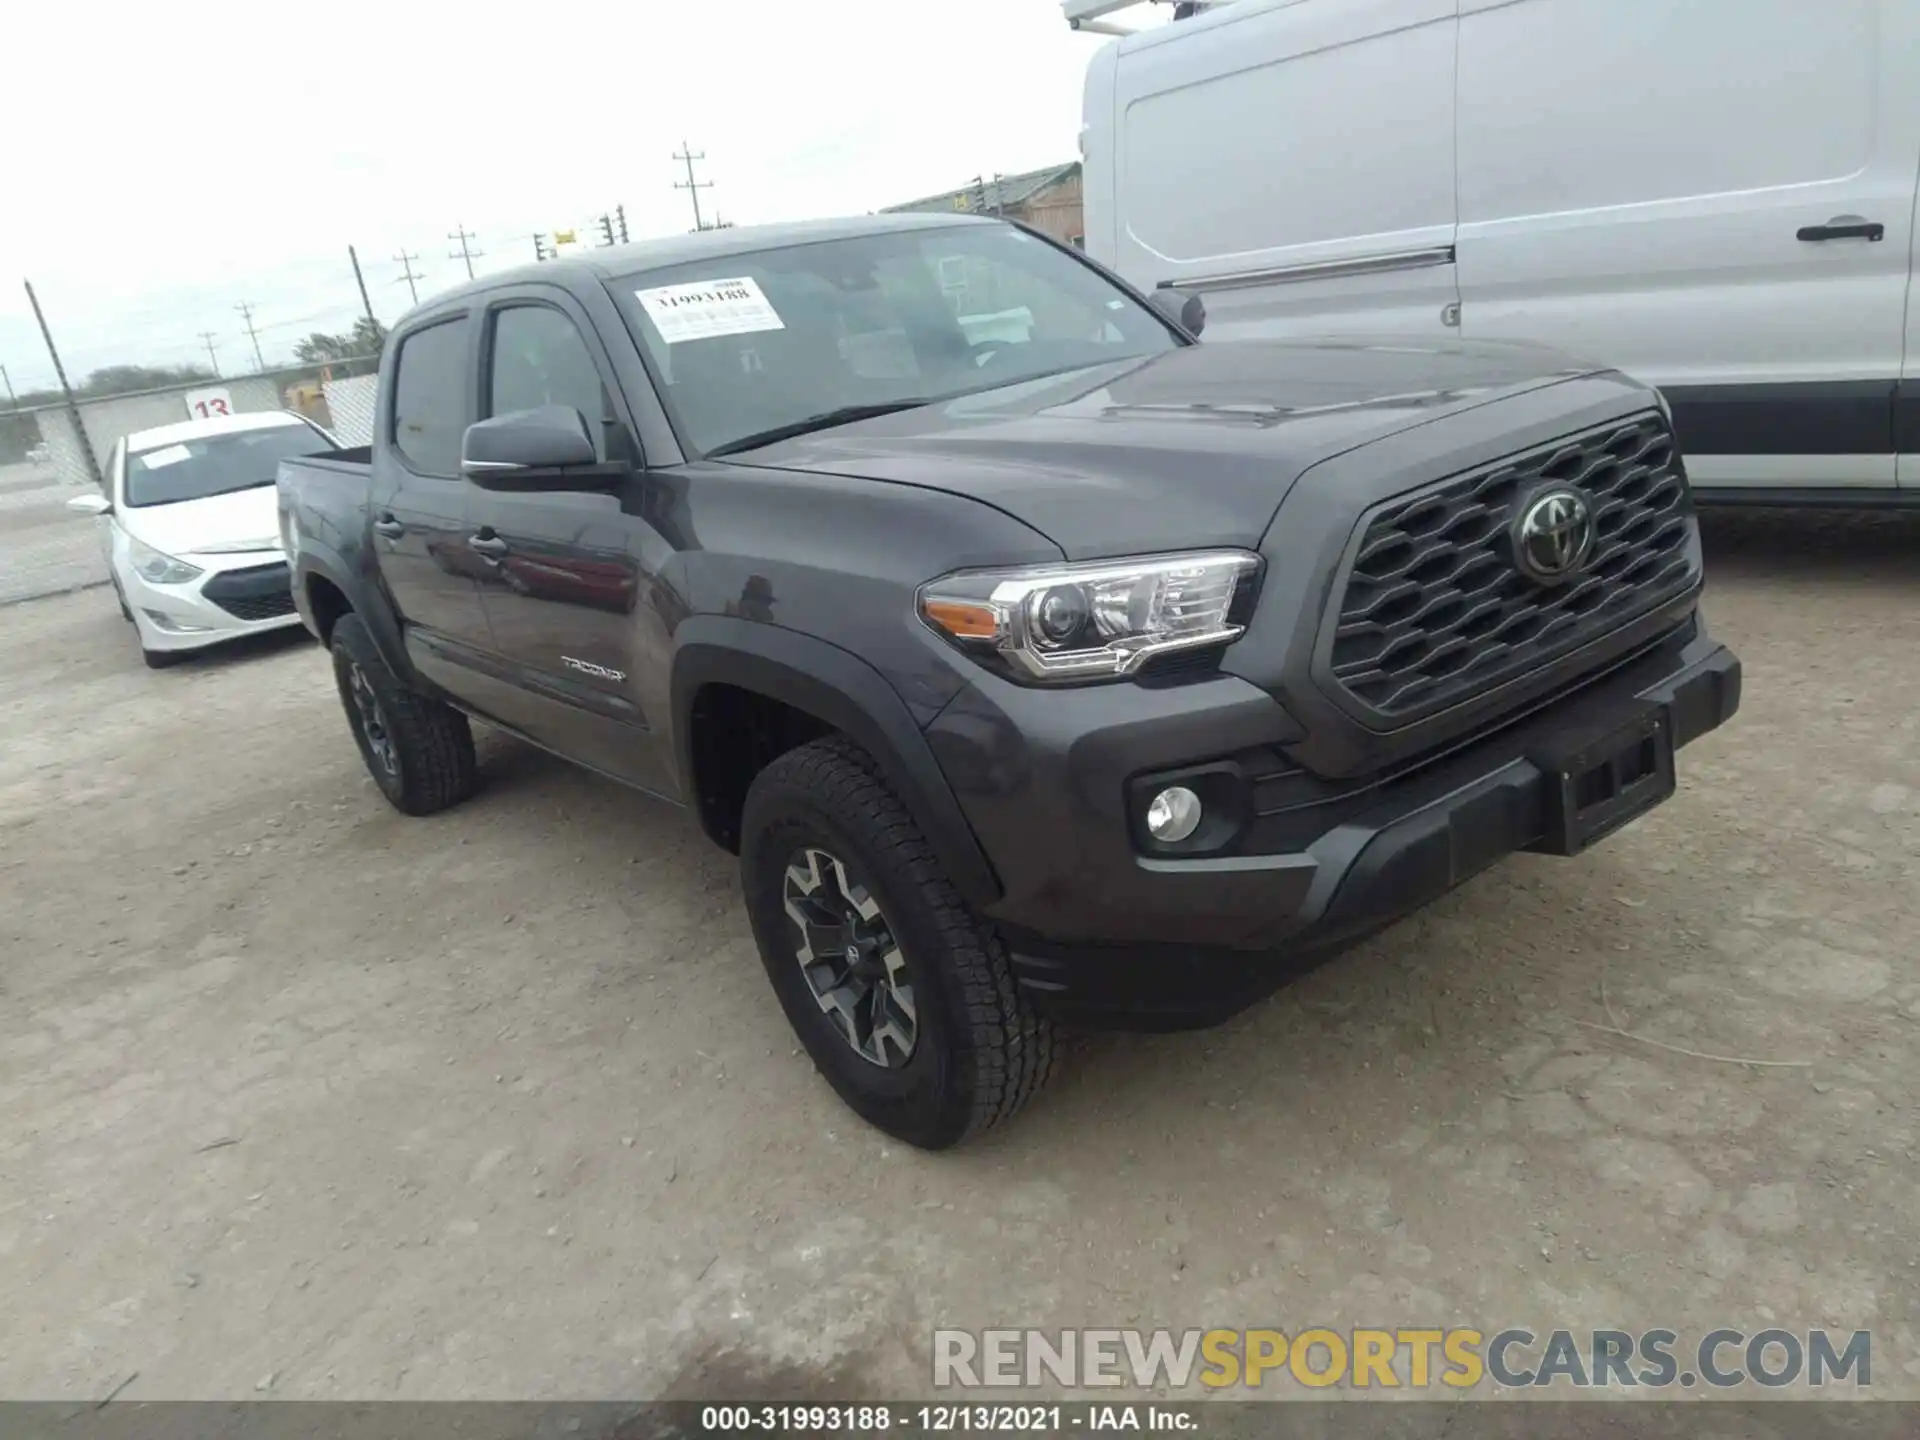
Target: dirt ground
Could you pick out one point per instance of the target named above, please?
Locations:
(301, 1098)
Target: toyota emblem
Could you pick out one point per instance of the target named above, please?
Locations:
(1553, 533)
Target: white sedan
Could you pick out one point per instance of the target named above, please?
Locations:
(191, 532)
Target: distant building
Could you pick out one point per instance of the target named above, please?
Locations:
(1048, 200)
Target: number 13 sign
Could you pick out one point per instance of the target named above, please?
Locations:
(209, 403)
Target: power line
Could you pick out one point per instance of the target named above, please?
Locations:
(463, 235)
(206, 338)
(327, 316)
(692, 186)
(405, 262)
(246, 316)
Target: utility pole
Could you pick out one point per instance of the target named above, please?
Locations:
(539, 247)
(361, 281)
(246, 317)
(606, 229)
(620, 219)
(60, 373)
(463, 235)
(692, 186)
(405, 262)
(13, 400)
(206, 339)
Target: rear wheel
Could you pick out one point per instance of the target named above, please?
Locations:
(904, 999)
(419, 750)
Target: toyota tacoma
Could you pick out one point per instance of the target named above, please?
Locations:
(1041, 663)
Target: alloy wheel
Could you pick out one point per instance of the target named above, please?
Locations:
(852, 963)
(373, 721)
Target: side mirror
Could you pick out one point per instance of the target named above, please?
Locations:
(553, 437)
(1182, 307)
(90, 504)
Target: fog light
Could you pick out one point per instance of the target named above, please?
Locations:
(1174, 814)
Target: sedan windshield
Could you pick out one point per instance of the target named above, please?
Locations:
(752, 348)
(215, 464)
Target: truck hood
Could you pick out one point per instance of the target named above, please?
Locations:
(238, 522)
(1195, 447)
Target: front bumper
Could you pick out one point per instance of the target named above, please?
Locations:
(1103, 932)
(253, 593)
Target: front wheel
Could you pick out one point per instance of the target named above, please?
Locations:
(419, 750)
(904, 999)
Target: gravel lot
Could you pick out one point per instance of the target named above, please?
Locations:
(301, 1098)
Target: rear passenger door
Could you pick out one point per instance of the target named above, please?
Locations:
(1294, 164)
(1717, 197)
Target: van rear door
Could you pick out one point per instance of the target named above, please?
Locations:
(1293, 162)
(1716, 197)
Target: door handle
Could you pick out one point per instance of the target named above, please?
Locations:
(492, 546)
(1843, 227)
(388, 526)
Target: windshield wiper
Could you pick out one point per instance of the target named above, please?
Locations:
(825, 420)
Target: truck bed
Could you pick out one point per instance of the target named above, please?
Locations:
(324, 497)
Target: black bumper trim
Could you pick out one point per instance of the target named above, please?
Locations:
(1412, 844)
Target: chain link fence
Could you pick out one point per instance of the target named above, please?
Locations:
(52, 452)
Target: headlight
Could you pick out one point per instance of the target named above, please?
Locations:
(156, 567)
(1090, 621)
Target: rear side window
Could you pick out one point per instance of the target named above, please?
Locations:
(430, 397)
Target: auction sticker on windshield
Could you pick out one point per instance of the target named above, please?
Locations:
(707, 309)
(158, 459)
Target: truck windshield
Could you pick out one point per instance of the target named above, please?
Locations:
(204, 465)
(755, 347)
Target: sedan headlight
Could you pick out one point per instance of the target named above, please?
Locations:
(1091, 621)
(156, 566)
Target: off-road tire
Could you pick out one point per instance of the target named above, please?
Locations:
(429, 742)
(981, 1051)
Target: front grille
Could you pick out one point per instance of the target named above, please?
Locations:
(265, 607)
(259, 592)
(1435, 610)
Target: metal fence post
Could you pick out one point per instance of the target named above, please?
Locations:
(73, 406)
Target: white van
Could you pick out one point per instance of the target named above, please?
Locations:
(1716, 196)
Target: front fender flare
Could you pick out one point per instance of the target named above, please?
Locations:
(839, 688)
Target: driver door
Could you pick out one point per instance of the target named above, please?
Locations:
(569, 558)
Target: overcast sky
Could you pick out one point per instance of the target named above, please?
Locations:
(165, 163)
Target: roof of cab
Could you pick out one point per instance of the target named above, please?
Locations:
(217, 425)
(606, 263)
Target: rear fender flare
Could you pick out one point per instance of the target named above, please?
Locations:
(365, 600)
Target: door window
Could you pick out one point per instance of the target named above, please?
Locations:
(539, 358)
(429, 397)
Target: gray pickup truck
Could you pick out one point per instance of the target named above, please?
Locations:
(1040, 663)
